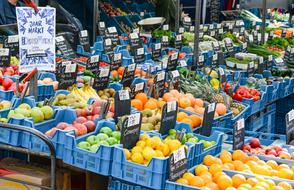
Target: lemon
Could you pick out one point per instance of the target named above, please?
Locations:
(137, 158)
(148, 153)
(144, 137)
(159, 154)
(165, 150)
(127, 154)
(137, 149)
(141, 143)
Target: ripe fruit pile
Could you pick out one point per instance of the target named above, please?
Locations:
(105, 137)
(151, 147)
(254, 147)
(49, 81)
(193, 120)
(7, 84)
(142, 102)
(214, 178)
(240, 161)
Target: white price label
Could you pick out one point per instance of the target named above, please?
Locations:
(220, 31)
(260, 59)
(164, 39)
(117, 57)
(201, 58)
(142, 14)
(237, 22)
(192, 28)
(102, 24)
(84, 33)
(165, 27)
(212, 33)
(131, 67)
(140, 51)
(215, 44)
(187, 19)
(228, 40)
(251, 38)
(94, 59)
(240, 124)
(124, 95)
(4, 51)
(183, 63)
(205, 28)
(136, 30)
(112, 30)
(13, 39)
(157, 46)
(242, 29)
(134, 35)
(214, 57)
(174, 56)
(108, 42)
(179, 38)
(139, 86)
(64, 63)
(270, 57)
(200, 34)
(70, 68)
(211, 26)
(164, 63)
(179, 154)
(134, 119)
(259, 36)
(181, 30)
(175, 73)
(251, 64)
(171, 106)
(201, 27)
(291, 115)
(160, 76)
(104, 73)
(230, 26)
(221, 71)
(244, 45)
(292, 50)
(218, 26)
(59, 38)
(211, 107)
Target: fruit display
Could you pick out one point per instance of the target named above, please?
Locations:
(107, 94)
(93, 111)
(7, 84)
(215, 178)
(68, 100)
(243, 92)
(84, 93)
(254, 147)
(110, 10)
(151, 147)
(49, 81)
(236, 108)
(193, 120)
(9, 71)
(38, 114)
(240, 161)
(105, 137)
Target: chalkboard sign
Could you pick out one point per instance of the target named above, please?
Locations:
(156, 51)
(175, 79)
(208, 119)
(4, 57)
(137, 88)
(164, 42)
(279, 61)
(129, 74)
(130, 132)
(66, 74)
(93, 64)
(239, 134)
(250, 69)
(261, 65)
(135, 40)
(269, 62)
(178, 164)
(84, 40)
(116, 60)
(187, 22)
(214, 62)
(290, 127)
(200, 63)
(122, 103)
(139, 54)
(216, 47)
(159, 85)
(101, 28)
(173, 61)
(12, 42)
(223, 77)
(102, 79)
(168, 117)
(64, 47)
(289, 54)
(178, 42)
(229, 46)
(112, 33)
(108, 46)
(181, 30)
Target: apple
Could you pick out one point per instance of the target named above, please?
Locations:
(79, 112)
(94, 148)
(97, 104)
(111, 141)
(80, 120)
(272, 152)
(70, 128)
(82, 129)
(90, 125)
(106, 130)
(246, 147)
(84, 145)
(51, 132)
(117, 135)
(92, 139)
(255, 143)
(102, 137)
(96, 111)
(62, 125)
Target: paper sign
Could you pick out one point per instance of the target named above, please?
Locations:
(84, 40)
(37, 38)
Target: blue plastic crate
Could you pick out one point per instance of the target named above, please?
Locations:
(153, 175)
(122, 185)
(6, 95)
(99, 162)
(256, 106)
(43, 75)
(244, 114)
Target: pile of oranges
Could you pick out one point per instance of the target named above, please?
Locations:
(213, 178)
(142, 102)
(240, 161)
(193, 120)
(151, 147)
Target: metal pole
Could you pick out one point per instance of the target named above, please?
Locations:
(95, 18)
(178, 15)
(196, 31)
(263, 21)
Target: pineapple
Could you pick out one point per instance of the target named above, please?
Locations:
(218, 98)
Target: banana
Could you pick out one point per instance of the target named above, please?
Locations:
(76, 93)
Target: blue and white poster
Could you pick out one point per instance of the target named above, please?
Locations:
(36, 38)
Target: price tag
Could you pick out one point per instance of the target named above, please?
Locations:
(64, 47)
(156, 51)
(70, 68)
(139, 54)
(214, 58)
(168, 117)
(137, 88)
(12, 42)
(181, 30)
(239, 134)
(112, 30)
(93, 64)
(208, 119)
(216, 46)
(289, 127)
(212, 33)
(123, 95)
(192, 29)
(128, 75)
(130, 132)
(270, 58)
(221, 31)
(102, 80)
(164, 41)
(101, 28)
(108, 45)
(175, 74)
(112, 33)
(165, 27)
(84, 40)
(173, 61)
(4, 57)
(116, 61)
(66, 74)
(183, 63)
(200, 61)
(122, 103)
(159, 85)
(244, 46)
(178, 164)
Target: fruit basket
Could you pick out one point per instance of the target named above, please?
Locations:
(122, 185)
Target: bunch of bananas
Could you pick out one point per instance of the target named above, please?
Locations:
(84, 93)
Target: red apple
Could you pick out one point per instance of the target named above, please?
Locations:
(254, 143)
(96, 111)
(246, 147)
(90, 126)
(71, 128)
(80, 120)
(79, 112)
(82, 129)
(272, 152)
(62, 125)
(51, 132)
(90, 117)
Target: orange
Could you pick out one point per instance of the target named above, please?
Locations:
(217, 175)
(251, 163)
(240, 155)
(183, 181)
(212, 186)
(181, 116)
(206, 178)
(206, 173)
(253, 158)
(184, 102)
(114, 73)
(121, 70)
(224, 182)
(190, 109)
(214, 168)
(200, 111)
(252, 181)
(226, 157)
(221, 109)
(238, 179)
(231, 188)
(230, 165)
(200, 169)
(273, 164)
(167, 96)
(242, 188)
(137, 104)
(277, 188)
(285, 185)
(199, 102)
(285, 173)
(258, 187)
(226, 167)
(142, 97)
(196, 181)
(188, 121)
(188, 176)
(270, 182)
(160, 104)
(217, 161)
(150, 104)
(282, 166)
(245, 185)
(196, 120)
(175, 93)
(208, 160)
(238, 164)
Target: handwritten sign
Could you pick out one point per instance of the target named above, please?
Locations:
(37, 38)
(64, 47)
(156, 51)
(84, 40)
(169, 117)
(66, 74)
(208, 119)
(130, 132)
(93, 64)
(116, 60)
(129, 74)
(102, 79)
(238, 134)
(4, 57)
(178, 164)
(12, 42)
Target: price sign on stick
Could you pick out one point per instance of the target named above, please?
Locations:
(122, 103)
(130, 132)
(102, 79)
(178, 164)
(129, 74)
(108, 45)
(4, 57)
(156, 51)
(169, 117)
(84, 40)
(159, 85)
(64, 47)
(290, 127)
(93, 64)
(208, 119)
(173, 62)
(12, 42)
(239, 134)
(116, 60)
(66, 74)
(137, 88)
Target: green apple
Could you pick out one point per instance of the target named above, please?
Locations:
(92, 139)
(111, 141)
(207, 144)
(190, 135)
(103, 143)
(47, 111)
(172, 132)
(106, 130)
(25, 106)
(102, 137)
(116, 134)
(94, 148)
(22, 111)
(37, 115)
(193, 140)
(84, 145)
